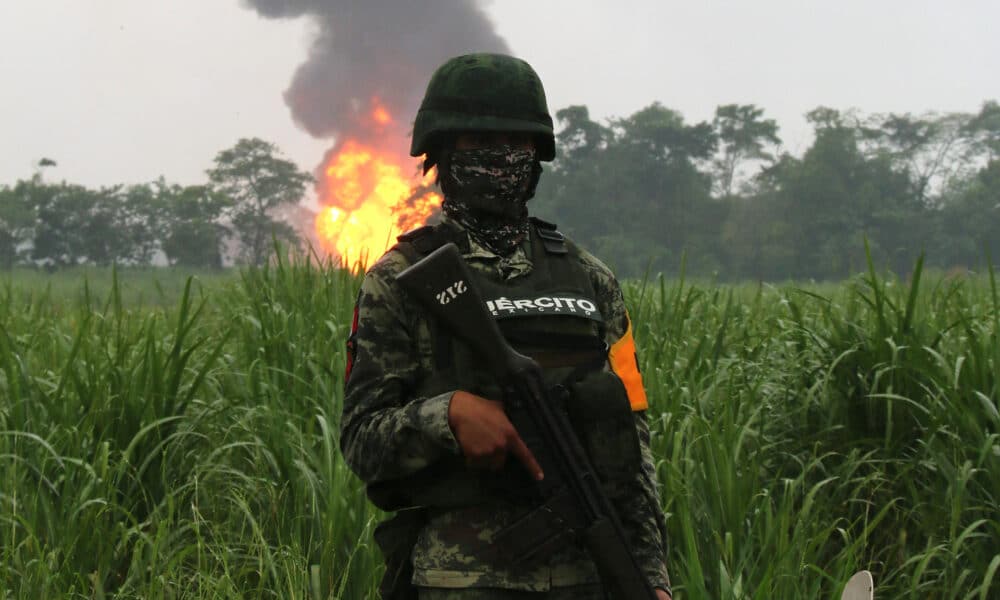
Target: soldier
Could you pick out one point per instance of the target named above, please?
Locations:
(423, 424)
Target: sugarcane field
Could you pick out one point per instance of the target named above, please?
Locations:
(479, 300)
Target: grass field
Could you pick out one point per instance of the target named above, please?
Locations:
(167, 439)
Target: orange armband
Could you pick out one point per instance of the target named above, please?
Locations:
(625, 364)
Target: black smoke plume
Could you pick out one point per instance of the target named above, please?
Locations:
(385, 49)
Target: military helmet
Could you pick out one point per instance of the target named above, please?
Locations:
(483, 92)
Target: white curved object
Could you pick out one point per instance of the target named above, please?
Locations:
(861, 586)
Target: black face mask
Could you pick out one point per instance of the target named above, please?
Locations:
(487, 191)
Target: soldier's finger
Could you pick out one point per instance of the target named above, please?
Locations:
(521, 451)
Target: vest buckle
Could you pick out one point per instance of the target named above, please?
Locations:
(553, 241)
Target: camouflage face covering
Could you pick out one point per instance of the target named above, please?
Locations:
(487, 191)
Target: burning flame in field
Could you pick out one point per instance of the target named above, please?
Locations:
(369, 195)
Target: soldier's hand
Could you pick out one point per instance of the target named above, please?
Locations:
(486, 435)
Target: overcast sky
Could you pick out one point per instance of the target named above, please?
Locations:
(123, 91)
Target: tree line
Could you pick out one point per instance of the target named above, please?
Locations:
(647, 192)
(650, 191)
(63, 224)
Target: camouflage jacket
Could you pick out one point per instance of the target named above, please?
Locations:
(387, 435)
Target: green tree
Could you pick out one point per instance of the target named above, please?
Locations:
(970, 222)
(582, 146)
(931, 149)
(758, 238)
(663, 133)
(76, 225)
(632, 191)
(139, 215)
(123, 226)
(744, 136)
(61, 212)
(193, 235)
(257, 180)
(664, 187)
(580, 138)
(834, 197)
(985, 130)
(17, 218)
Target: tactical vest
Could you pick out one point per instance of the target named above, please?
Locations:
(551, 314)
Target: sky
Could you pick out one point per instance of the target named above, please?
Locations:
(126, 91)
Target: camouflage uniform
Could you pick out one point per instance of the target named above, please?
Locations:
(576, 592)
(388, 434)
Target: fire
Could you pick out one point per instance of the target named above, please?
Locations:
(379, 113)
(368, 198)
(381, 116)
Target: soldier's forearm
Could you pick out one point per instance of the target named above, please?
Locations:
(396, 441)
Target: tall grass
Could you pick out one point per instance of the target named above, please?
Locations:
(181, 452)
(187, 447)
(154, 287)
(802, 436)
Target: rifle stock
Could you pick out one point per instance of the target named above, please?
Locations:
(441, 283)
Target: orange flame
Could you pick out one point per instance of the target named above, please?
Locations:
(368, 200)
(381, 116)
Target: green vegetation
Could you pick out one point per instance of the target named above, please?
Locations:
(188, 449)
(644, 190)
(64, 225)
(136, 287)
(640, 191)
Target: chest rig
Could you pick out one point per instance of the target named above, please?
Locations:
(552, 315)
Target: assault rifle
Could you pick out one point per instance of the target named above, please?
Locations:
(442, 284)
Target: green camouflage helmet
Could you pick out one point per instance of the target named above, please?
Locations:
(484, 92)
